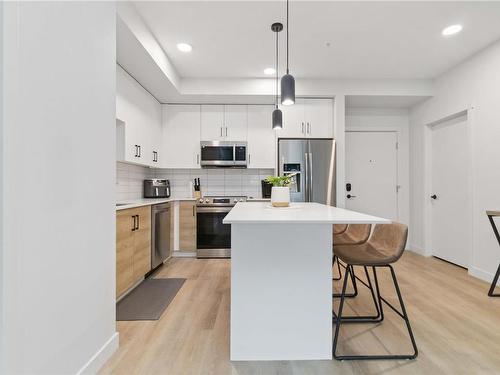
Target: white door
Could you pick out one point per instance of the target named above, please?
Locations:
(181, 136)
(450, 210)
(261, 137)
(212, 123)
(371, 171)
(294, 125)
(235, 123)
(319, 118)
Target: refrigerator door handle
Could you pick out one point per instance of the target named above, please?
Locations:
(306, 180)
(310, 176)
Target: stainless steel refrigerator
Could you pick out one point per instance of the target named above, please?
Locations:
(313, 161)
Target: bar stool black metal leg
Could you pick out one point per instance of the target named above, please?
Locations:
(495, 279)
(366, 318)
(494, 284)
(339, 316)
(403, 314)
(336, 260)
(353, 280)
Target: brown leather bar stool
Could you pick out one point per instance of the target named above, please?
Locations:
(385, 246)
(353, 234)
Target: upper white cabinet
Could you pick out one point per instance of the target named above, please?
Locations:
(236, 122)
(138, 122)
(224, 122)
(212, 123)
(308, 118)
(181, 136)
(261, 137)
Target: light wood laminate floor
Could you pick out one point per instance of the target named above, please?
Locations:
(457, 327)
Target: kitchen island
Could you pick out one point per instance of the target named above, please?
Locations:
(281, 279)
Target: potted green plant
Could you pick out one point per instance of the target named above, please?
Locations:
(280, 192)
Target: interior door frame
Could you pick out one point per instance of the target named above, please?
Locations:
(378, 129)
(428, 165)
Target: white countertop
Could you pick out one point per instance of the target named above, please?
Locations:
(307, 213)
(133, 203)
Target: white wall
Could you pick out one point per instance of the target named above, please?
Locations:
(58, 186)
(1, 184)
(474, 83)
(388, 119)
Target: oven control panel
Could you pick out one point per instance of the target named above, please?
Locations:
(220, 201)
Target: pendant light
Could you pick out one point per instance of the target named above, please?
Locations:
(277, 115)
(287, 81)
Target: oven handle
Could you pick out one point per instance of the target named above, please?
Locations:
(213, 209)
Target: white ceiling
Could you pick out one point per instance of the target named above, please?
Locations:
(382, 101)
(367, 39)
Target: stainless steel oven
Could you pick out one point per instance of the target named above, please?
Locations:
(212, 236)
(223, 154)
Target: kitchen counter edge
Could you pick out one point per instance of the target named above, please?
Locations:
(148, 202)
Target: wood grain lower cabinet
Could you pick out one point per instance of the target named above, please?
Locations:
(187, 226)
(133, 247)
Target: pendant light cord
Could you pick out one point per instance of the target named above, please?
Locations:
(286, 36)
(276, 99)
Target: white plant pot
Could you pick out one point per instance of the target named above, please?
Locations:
(280, 196)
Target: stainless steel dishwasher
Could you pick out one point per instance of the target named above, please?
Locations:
(160, 234)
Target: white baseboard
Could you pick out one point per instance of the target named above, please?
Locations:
(482, 274)
(416, 249)
(183, 254)
(102, 355)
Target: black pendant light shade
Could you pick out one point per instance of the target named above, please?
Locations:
(287, 81)
(277, 119)
(277, 114)
(287, 89)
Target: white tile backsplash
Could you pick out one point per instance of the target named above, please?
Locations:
(216, 181)
(129, 181)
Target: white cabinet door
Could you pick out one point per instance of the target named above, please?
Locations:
(293, 121)
(212, 123)
(235, 123)
(181, 136)
(319, 118)
(261, 137)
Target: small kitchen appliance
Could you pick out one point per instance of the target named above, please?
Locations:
(156, 188)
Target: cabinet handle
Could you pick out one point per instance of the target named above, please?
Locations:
(133, 225)
(198, 159)
(221, 131)
(302, 128)
(138, 221)
(308, 128)
(226, 131)
(193, 211)
(139, 151)
(135, 151)
(249, 158)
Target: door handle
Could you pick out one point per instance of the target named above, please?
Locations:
(434, 196)
(349, 196)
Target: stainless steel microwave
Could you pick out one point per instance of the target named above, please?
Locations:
(223, 154)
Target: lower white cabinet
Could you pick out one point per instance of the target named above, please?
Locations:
(181, 136)
(261, 137)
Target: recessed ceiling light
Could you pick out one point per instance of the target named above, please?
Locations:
(184, 47)
(451, 30)
(269, 71)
